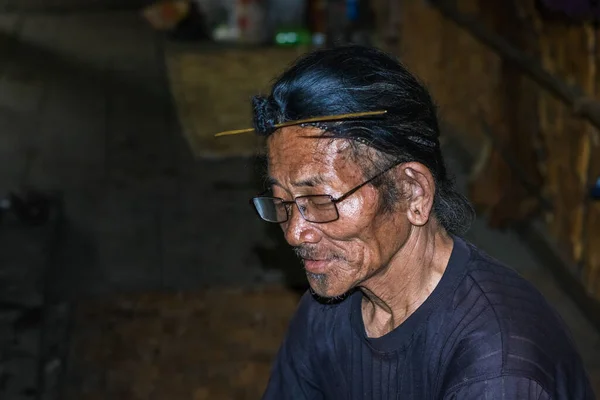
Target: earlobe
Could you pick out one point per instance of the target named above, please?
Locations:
(416, 217)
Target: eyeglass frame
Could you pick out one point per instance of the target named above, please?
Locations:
(334, 200)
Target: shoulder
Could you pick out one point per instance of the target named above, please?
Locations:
(505, 328)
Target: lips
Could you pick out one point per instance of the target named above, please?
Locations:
(316, 266)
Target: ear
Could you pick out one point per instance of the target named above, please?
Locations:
(420, 186)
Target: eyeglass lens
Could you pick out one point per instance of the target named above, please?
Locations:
(318, 208)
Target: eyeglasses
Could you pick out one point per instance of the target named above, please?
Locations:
(319, 208)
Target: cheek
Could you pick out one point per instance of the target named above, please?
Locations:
(355, 230)
(356, 215)
(351, 208)
(352, 221)
(367, 237)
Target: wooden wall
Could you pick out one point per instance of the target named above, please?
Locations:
(547, 146)
(572, 146)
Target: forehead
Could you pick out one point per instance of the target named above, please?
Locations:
(297, 151)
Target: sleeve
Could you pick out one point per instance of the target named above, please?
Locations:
(506, 387)
(292, 375)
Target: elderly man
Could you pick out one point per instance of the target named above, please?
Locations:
(400, 306)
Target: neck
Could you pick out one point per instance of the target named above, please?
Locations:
(398, 290)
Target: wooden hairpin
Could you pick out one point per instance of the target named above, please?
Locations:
(309, 120)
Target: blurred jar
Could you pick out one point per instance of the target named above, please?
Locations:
(250, 17)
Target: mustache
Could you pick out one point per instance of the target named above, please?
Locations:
(313, 253)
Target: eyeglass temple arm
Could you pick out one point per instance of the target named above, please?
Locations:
(353, 190)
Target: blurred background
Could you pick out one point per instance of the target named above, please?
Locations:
(131, 264)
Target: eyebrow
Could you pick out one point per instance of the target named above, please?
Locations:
(310, 182)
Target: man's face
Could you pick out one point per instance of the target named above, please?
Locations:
(345, 253)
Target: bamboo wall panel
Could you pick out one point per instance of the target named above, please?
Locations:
(564, 52)
(554, 147)
(468, 81)
(458, 70)
(498, 189)
(589, 171)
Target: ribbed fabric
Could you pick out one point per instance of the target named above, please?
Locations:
(484, 333)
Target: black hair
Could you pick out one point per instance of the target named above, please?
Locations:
(351, 79)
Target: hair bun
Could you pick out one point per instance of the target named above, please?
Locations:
(265, 114)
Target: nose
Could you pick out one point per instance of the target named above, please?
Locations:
(297, 230)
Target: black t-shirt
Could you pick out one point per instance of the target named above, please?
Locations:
(483, 333)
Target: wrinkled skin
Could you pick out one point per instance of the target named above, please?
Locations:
(345, 253)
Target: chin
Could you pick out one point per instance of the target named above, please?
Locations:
(326, 288)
